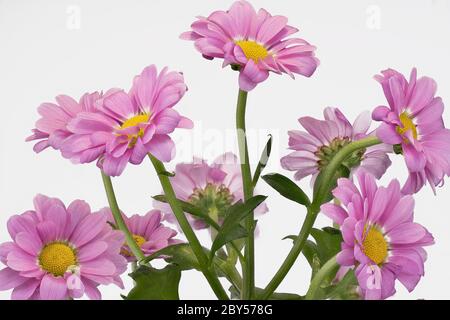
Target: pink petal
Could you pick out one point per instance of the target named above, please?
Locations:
(29, 243)
(99, 267)
(114, 167)
(10, 279)
(91, 251)
(53, 288)
(335, 213)
(388, 134)
(162, 148)
(406, 233)
(25, 290)
(88, 229)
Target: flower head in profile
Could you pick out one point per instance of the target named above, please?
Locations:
(212, 188)
(51, 129)
(315, 148)
(148, 231)
(255, 42)
(413, 121)
(60, 253)
(381, 240)
(128, 126)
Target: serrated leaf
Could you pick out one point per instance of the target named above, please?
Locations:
(155, 284)
(263, 161)
(231, 228)
(287, 188)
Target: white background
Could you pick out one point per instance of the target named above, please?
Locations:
(53, 47)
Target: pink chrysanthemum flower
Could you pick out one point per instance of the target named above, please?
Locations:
(255, 41)
(414, 121)
(324, 138)
(212, 188)
(60, 253)
(381, 240)
(148, 231)
(129, 126)
(51, 129)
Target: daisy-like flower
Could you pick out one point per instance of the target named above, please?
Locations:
(148, 232)
(381, 240)
(212, 188)
(129, 126)
(51, 129)
(255, 42)
(60, 253)
(413, 122)
(315, 148)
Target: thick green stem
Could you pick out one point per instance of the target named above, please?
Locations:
(202, 258)
(232, 274)
(327, 268)
(336, 162)
(120, 223)
(314, 209)
(248, 269)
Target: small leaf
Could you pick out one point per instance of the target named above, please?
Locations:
(263, 160)
(287, 188)
(231, 228)
(292, 237)
(155, 284)
(167, 174)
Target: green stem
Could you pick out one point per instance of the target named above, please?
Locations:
(314, 209)
(120, 223)
(187, 230)
(232, 274)
(327, 268)
(336, 162)
(248, 269)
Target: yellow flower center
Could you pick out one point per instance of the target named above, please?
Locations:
(132, 122)
(407, 125)
(140, 240)
(375, 246)
(56, 258)
(253, 50)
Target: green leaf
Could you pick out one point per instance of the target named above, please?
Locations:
(343, 172)
(263, 160)
(178, 254)
(287, 188)
(167, 174)
(328, 241)
(231, 228)
(291, 237)
(155, 284)
(192, 210)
